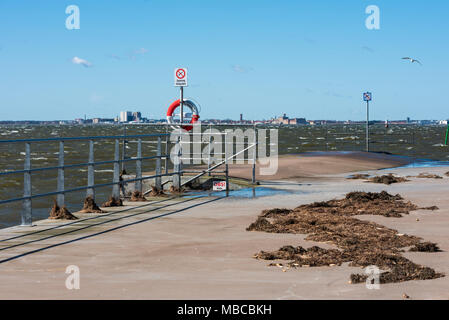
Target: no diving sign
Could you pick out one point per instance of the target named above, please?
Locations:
(181, 77)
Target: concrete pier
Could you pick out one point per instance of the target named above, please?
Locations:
(198, 248)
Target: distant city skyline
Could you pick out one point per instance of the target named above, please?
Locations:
(136, 117)
(307, 59)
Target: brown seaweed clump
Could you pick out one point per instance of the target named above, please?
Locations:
(155, 192)
(358, 176)
(362, 203)
(61, 213)
(113, 202)
(138, 196)
(385, 179)
(426, 247)
(175, 190)
(361, 243)
(429, 176)
(388, 179)
(90, 206)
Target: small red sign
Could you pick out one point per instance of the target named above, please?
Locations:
(219, 185)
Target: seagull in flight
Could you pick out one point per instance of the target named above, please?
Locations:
(411, 60)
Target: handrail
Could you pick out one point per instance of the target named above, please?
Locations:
(85, 138)
(218, 165)
(117, 182)
(80, 165)
(101, 185)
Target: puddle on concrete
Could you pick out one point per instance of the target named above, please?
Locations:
(423, 163)
(241, 193)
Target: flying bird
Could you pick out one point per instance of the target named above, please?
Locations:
(82, 62)
(411, 60)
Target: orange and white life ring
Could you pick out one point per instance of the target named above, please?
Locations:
(187, 103)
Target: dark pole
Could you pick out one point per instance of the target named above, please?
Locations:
(367, 126)
(124, 147)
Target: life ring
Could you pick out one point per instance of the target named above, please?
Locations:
(187, 103)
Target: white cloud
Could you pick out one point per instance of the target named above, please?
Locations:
(82, 62)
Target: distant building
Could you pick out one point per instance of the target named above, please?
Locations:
(102, 120)
(286, 120)
(137, 116)
(241, 117)
(126, 116)
(297, 121)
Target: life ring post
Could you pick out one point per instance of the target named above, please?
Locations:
(182, 105)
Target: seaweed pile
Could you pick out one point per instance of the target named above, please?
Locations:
(385, 179)
(61, 213)
(361, 243)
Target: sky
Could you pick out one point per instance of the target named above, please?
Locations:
(311, 59)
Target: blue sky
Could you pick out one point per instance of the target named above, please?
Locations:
(261, 58)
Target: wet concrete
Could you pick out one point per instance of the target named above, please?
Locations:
(199, 248)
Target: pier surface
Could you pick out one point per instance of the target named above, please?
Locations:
(198, 248)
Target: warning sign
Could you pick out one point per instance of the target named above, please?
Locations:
(219, 185)
(181, 77)
(367, 96)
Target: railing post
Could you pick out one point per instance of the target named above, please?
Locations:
(138, 184)
(177, 165)
(124, 147)
(91, 172)
(61, 196)
(166, 150)
(158, 164)
(254, 157)
(27, 213)
(116, 177)
(226, 165)
(210, 142)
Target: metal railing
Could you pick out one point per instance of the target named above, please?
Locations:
(226, 160)
(26, 213)
(117, 181)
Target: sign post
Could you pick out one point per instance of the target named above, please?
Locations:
(367, 96)
(447, 134)
(181, 81)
